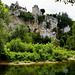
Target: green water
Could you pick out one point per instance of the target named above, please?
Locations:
(44, 69)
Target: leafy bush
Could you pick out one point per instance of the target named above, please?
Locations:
(60, 55)
(19, 31)
(37, 47)
(28, 47)
(49, 48)
(41, 19)
(16, 45)
(71, 43)
(16, 50)
(27, 16)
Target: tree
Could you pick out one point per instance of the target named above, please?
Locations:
(26, 16)
(73, 29)
(19, 31)
(43, 11)
(71, 43)
(64, 20)
(4, 22)
(66, 1)
(41, 19)
(46, 40)
(4, 13)
(71, 40)
(63, 38)
(36, 38)
(28, 38)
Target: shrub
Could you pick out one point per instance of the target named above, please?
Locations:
(16, 45)
(37, 47)
(49, 48)
(16, 50)
(60, 55)
(28, 47)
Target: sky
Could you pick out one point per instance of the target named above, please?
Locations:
(50, 6)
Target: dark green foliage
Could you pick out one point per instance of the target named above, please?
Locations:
(26, 16)
(67, 1)
(4, 21)
(73, 29)
(55, 29)
(48, 25)
(1, 45)
(70, 44)
(46, 40)
(21, 31)
(64, 20)
(63, 38)
(41, 19)
(36, 38)
(43, 11)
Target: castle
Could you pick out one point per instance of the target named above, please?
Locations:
(36, 11)
(16, 10)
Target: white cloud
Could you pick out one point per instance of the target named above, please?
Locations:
(49, 5)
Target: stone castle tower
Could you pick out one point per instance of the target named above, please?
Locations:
(36, 12)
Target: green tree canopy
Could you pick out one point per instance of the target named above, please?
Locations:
(4, 21)
(41, 19)
(19, 31)
(73, 29)
(66, 1)
(71, 40)
(26, 16)
(43, 11)
(4, 13)
(64, 20)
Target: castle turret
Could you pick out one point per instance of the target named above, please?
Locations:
(35, 10)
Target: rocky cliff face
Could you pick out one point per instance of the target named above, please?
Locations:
(44, 31)
(43, 24)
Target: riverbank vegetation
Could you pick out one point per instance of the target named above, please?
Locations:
(20, 44)
(17, 50)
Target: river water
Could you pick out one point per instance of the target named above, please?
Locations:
(67, 68)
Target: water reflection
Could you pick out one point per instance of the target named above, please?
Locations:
(44, 69)
(52, 73)
(65, 70)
